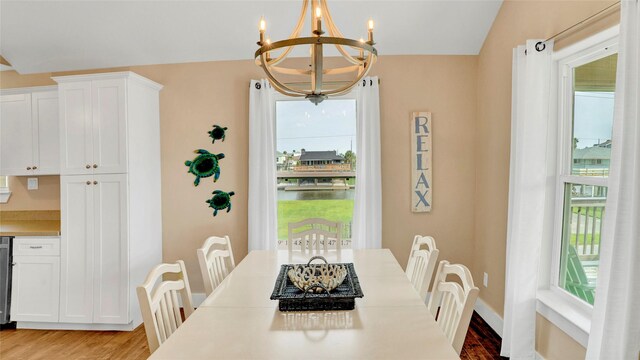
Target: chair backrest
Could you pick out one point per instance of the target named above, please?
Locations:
(576, 281)
(452, 303)
(422, 263)
(315, 234)
(159, 303)
(216, 261)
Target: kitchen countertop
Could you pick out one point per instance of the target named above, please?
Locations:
(30, 223)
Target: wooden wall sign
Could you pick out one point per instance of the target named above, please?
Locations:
(421, 165)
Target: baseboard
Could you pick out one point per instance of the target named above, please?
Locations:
(489, 316)
(493, 319)
(70, 326)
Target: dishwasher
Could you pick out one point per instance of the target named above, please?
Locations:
(6, 267)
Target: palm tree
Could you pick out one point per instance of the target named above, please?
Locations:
(350, 158)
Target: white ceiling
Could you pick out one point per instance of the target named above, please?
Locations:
(53, 36)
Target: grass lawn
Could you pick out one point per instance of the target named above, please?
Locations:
(297, 210)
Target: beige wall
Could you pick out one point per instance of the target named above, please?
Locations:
(516, 22)
(47, 197)
(197, 95)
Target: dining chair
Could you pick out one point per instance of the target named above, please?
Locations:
(451, 303)
(315, 234)
(159, 303)
(421, 264)
(216, 261)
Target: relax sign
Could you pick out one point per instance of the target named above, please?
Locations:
(421, 166)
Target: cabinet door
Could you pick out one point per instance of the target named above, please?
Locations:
(35, 288)
(16, 135)
(46, 149)
(109, 126)
(111, 261)
(76, 131)
(76, 249)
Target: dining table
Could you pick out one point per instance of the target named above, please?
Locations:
(239, 321)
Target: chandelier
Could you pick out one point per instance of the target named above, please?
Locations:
(313, 80)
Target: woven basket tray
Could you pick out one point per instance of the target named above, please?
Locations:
(293, 299)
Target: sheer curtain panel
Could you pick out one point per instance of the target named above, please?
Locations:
(367, 212)
(527, 195)
(262, 207)
(615, 325)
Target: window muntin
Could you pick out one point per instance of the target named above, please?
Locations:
(326, 133)
(583, 177)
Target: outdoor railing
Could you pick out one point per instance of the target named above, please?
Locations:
(589, 213)
(324, 167)
(601, 172)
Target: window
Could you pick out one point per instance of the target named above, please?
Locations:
(315, 163)
(586, 121)
(5, 192)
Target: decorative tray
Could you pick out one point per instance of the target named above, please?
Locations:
(291, 298)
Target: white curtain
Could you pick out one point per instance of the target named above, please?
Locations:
(615, 324)
(527, 195)
(367, 212)
(262, 204)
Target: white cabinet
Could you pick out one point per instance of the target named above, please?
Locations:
(110, 214)
(95, 249)
(76, 284)
(46, 150)
(36, 280)
(29, 135)
(93, 126)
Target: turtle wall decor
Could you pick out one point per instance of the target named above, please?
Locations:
(218, 133)
(221, 200)
(204, 165)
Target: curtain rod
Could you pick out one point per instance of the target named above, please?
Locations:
(540, 46)
(325, 82)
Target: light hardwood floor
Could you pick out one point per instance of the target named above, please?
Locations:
(68, 345)
(481, 343)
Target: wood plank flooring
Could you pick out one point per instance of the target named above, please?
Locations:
(481, 343)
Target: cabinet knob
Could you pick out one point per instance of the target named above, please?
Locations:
(88, 182)
(88, 166)
(95, 166)
(35, 167)
(95, 182)
(28, 167)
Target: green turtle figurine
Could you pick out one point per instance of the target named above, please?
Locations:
(204, 165)
(221, 200)
(218, 133)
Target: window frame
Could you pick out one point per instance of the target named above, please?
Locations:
(564, 310)
(5, 191)
(564, 175)
(351, 95)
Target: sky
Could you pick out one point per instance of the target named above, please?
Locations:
(593, 117)
(331, 125)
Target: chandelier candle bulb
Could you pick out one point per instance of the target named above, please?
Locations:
(318, 29)
(370, 42)
(361, 51)
(262, 27)
(268, 52)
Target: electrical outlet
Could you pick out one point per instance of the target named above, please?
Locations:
(485, 280)
(32, 183)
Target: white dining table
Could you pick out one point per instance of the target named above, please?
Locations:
(239, 321)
